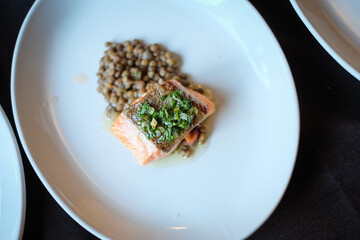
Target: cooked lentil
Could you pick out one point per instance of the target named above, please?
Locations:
(202, 138)
(185, 151)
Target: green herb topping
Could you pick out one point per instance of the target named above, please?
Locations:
(167, 123)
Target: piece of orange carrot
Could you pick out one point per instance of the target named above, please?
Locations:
(192, 136)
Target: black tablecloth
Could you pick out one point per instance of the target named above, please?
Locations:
(323, 197)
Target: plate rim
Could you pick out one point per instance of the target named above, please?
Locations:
(333, 53)
(55, 195)
(42, 178)
(297, 112)
(20, 167)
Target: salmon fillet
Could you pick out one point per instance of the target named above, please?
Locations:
(147, 150)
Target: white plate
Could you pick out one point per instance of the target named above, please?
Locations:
(336, 26)
(227, 192)
(12, 183)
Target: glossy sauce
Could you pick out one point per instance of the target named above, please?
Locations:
(81, 78)
(107, 122)
(175, 159)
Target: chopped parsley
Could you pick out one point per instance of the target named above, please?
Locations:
(167, 123)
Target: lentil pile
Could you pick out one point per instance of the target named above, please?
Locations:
(127, 70)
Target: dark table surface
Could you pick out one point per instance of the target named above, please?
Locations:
(323, 198)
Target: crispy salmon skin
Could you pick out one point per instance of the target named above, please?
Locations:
(127, 126)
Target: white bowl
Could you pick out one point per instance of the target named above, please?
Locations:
(230, 190)
(336, 26)
(12, 183)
